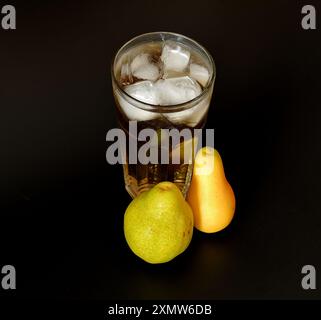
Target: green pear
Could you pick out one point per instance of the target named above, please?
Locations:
(158, 224)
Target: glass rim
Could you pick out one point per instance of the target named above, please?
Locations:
(173, 107)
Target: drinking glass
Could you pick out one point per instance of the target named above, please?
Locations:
(134, 113)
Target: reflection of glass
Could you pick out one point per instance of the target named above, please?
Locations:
(163, 81)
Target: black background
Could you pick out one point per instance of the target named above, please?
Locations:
(62, 205)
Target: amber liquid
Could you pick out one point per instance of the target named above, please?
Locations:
(142, 177)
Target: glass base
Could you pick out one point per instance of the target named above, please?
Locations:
(141, 178)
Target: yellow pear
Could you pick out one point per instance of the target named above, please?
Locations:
(210, 195)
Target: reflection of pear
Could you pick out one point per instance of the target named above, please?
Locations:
(158, 224)
(210, 195)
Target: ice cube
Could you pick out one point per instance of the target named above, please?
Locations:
(143, 68)
(144, 91)
(147, 72)
(177, 90)
(134, 113)
(199, 73)
(174, 57)
(140, 60)
(191, 116)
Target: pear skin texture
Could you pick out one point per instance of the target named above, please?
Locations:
(210, 195)
(158, 224)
